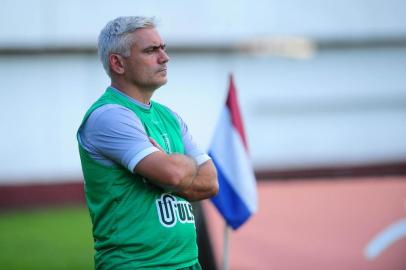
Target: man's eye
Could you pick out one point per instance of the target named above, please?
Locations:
(156, 49)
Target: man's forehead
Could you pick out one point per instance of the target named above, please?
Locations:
(145, 37)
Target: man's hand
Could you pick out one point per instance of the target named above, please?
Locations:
(175, 171)
(205, 184)
(180, 173)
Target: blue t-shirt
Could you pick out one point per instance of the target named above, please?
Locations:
(114, 134)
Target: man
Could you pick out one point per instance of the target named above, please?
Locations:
(140, 165)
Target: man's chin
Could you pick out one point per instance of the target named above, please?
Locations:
(163, 81)
(158, 84)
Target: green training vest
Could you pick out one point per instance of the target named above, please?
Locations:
(136, 224)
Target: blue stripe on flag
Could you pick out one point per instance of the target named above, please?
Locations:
(228, 202)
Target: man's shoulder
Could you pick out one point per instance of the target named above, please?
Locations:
(161, 106)
(109, 114)
(110, 109)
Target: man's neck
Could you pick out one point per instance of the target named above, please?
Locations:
(143, 96)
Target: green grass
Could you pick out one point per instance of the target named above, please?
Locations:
(52, 238)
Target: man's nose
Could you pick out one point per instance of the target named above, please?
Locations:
(163, 56)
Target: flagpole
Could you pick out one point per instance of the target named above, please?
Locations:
(237, 198)
(225, 247)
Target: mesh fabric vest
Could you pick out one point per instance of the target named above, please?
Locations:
(136, 224)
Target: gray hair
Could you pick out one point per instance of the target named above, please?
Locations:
(114, 37)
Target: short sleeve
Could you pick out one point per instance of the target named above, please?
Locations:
(114, 134)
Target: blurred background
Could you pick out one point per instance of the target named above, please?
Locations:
(322, 90)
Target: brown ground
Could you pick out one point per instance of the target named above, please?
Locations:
(323, 224)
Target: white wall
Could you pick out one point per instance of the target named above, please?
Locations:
(57, 21)
(339, 107)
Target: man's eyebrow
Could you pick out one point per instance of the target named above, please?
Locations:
(155, 47)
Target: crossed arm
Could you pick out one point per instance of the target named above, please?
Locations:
(204, 185)
(181, 174)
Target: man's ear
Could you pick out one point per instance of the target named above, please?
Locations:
(116, 63)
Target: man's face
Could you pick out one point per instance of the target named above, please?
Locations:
(146, 66)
